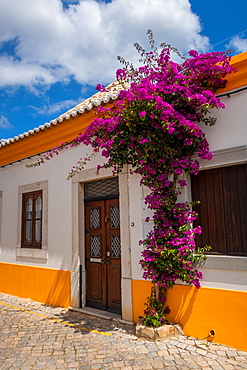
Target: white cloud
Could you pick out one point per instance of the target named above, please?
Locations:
(56, 107)
(238, 43)
(24, 72)
(82, 40)
(4, 123)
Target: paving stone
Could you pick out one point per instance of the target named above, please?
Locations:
(173, 351)
(158, 365)
(243, 365)
(191, 348)
(163, 353)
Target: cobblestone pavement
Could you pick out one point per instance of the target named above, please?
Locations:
(37, 336)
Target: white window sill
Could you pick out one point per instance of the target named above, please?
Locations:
(32, 253)
(225, 263)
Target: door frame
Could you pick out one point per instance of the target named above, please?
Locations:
(78, 240)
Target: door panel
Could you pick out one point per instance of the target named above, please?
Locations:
(103, 255)
(95, 252)
(113, 249)
(95, 275)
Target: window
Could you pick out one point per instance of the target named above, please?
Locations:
(223, 209)
(32, 219)
(32, 231)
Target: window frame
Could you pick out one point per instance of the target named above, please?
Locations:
(24, 242)
(40, 252)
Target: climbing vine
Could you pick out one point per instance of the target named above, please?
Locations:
(154, 127)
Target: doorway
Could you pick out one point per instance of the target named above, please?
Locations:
(103, 255)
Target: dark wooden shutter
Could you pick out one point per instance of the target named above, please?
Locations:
(223, 208)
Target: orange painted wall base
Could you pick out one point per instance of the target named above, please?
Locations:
(43, 285)
(202, 310)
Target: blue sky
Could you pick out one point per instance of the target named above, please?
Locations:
(53, 52)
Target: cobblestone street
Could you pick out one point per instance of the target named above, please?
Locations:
(36, 336)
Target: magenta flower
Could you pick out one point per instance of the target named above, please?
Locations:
(100, 87)
(142, 114)
(121, 74)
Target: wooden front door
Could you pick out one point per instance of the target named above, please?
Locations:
(103, 255)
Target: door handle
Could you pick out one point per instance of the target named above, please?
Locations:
(106, 218)
(108, 254)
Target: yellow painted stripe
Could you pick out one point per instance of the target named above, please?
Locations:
(56, 320)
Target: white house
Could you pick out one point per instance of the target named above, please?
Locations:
(75, 242)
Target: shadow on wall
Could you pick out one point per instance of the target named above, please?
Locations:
(41, 284)
(181, 300)
(60, 290)
(201, 310)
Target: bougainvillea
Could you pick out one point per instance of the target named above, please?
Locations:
(153, 126)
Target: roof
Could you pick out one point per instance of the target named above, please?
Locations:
(95, 100)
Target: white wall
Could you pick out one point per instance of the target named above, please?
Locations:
(231, 128)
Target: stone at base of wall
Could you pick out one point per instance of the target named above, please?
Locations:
(161, 333)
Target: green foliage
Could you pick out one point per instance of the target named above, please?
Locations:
(155, 313)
